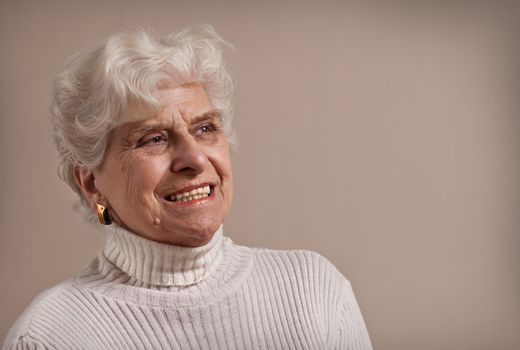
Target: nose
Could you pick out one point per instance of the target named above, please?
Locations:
(188, 156)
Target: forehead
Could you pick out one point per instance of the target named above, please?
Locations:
(182, 103)
(188, 103)
(189, 95)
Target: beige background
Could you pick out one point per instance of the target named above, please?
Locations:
(384, 136)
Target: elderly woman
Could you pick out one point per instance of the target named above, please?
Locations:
(143, 130)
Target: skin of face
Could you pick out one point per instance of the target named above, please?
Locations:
(181, 148)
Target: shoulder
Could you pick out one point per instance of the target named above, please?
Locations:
(308, 265)
(297, 257)
(43, 312)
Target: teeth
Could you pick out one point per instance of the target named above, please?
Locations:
(197, 193)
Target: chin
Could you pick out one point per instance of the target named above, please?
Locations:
(193, 236)
(196, 240)
(204, 236)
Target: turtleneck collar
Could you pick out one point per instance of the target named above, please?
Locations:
(160, 264)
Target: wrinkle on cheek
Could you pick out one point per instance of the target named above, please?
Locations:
(127, 167)
(127, 161)
(135, 186)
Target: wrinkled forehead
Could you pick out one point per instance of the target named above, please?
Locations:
(182, 105)
(190, 97)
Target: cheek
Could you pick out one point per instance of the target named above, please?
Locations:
(137, 177)
(145, 174)
(131, 172)
(221, 160)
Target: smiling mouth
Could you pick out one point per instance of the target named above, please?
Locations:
(194, 194)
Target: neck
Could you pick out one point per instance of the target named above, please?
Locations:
(160, 264)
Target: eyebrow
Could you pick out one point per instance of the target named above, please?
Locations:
(213, 114)
(143, 129)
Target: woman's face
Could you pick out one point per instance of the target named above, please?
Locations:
(168, 178)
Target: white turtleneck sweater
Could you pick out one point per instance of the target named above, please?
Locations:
(141, 294)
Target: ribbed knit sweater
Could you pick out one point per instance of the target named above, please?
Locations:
(141, 294)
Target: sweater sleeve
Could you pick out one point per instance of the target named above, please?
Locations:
(352, 334)
(22, 335)
(24, 343)
(346, 327)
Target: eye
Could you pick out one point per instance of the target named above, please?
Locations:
(206, 129)
(152, 139)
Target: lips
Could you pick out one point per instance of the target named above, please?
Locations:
(191, 194)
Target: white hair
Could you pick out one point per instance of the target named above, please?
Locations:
(117, 81)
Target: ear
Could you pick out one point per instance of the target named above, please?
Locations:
(86, 182)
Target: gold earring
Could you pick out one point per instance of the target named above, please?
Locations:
(102, 213)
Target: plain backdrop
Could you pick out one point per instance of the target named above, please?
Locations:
(384, 135)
